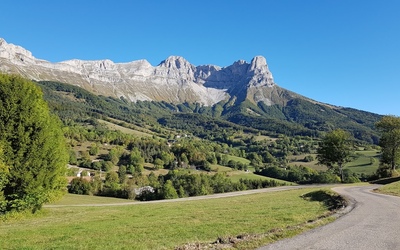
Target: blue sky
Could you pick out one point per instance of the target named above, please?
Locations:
(341, 52)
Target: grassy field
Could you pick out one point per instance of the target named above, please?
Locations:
(363, 163)
(125, 130)
(165, 225)
(75, 199)
(360, 165)
(239, 159)
(391, 189)
(236, 175)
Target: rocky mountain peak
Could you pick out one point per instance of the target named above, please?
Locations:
(259, 63)
(14, 52)
(239, 62)
(175, 62)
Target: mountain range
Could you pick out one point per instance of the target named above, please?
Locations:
(174, 80)
(246, 92)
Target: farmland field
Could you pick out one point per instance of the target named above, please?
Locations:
(163, 225)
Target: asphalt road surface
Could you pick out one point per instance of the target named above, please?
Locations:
(373, 224)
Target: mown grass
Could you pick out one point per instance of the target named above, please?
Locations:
(236, 175)
(75, 199)
(238, 159)
(362, 164)
(164, 225)
(391, 189)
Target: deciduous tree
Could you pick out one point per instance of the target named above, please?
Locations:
(34, 149)
(389, 126)
(334, 150)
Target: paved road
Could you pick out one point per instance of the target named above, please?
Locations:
(373, 224)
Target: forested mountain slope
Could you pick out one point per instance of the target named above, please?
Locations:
(298, 117)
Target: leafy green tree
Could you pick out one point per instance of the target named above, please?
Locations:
(181, 192)
(114, 154)
(389, 126)
(79, 185)
(72, 157)
(106, 166)
(34, 148)
(122, 174)
(129, 189)
(168, 191)
(96, 185)
(94, 149)
(4, 171)
(167, 158)
(158, 163)
(85, 156)
(334, 150)
(112, 180)
(136, 158)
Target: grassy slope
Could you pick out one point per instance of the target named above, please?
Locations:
(113, 126)
(239, 159)
(75, 199)
(236, 175)
(360, 165)
(161, 226)
(391, 189)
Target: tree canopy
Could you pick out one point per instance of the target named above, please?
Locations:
(334, 150)
(389, 126)
(34, 154)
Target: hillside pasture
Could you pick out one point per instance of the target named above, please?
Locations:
(113, 126)
(366, 162)
(166, 225)
(236, 175)
(390, 189)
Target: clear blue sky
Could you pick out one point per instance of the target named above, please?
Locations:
(341, 52)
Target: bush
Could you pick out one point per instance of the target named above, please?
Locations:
(79, 186)
(308, 158)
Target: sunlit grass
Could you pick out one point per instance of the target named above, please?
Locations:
(360, 165)
(75, 199)
(236, 175)
(113, 126)
(391, 189)
(238, 159)
(159, 226)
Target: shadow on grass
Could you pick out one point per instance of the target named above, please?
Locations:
(330, 199)
(360, 165)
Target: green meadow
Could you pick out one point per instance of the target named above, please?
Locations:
(262, 217)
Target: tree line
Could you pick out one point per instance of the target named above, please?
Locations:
(176, 184)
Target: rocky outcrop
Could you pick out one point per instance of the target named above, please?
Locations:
(174, 80)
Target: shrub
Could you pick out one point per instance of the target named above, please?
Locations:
(79, 185)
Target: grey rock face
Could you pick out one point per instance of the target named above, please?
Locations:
(173, 80)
